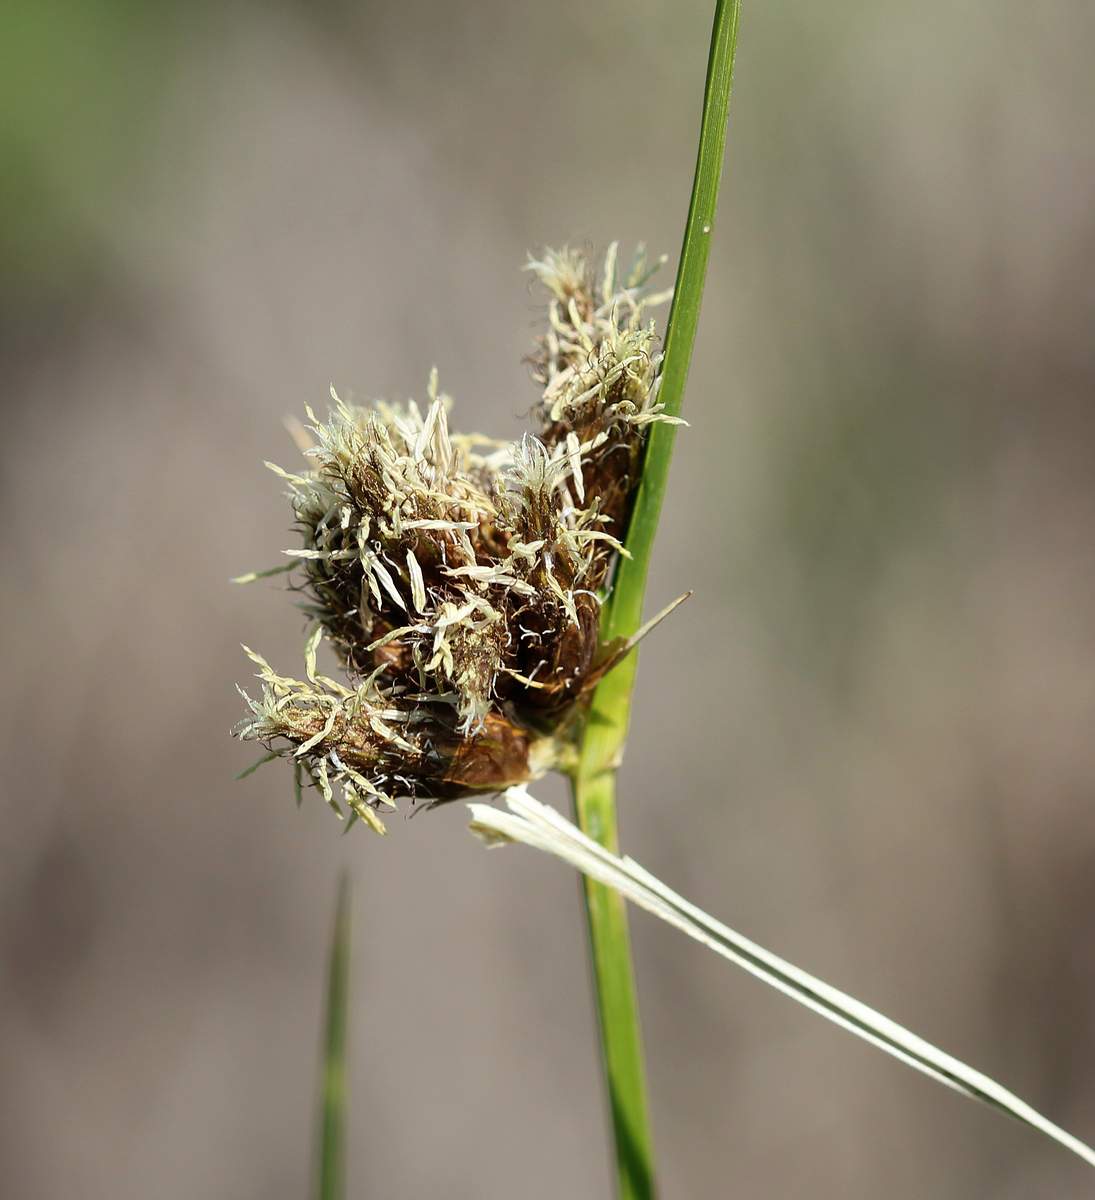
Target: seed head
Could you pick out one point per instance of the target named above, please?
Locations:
(459, 580)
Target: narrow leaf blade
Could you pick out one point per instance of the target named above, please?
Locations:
(540, 826)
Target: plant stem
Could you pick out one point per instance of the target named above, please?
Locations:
(617, 1006)
(330, 1135)
(593, 782)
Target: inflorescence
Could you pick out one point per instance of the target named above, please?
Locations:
(460, 580)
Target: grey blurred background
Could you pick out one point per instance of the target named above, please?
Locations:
(866, 741)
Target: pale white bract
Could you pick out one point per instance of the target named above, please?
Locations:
(539, 825)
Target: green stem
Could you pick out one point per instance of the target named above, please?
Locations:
(330, 1154)
(617, 1006)
(602, 745)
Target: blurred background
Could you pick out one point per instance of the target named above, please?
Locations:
(866, 741)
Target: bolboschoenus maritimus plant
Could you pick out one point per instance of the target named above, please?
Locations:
(484, 601)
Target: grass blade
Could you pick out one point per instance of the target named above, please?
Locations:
(330, 1182)
(594, 779)
(623, 613)
(540, 826)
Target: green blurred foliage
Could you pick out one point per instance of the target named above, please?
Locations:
(81, 86)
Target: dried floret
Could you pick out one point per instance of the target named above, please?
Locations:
(458, 580)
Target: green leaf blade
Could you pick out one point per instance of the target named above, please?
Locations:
(593, 782)
(624, 609)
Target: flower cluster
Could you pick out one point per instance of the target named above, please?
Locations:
(459, 580)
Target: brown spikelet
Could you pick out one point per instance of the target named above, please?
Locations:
(459, 580)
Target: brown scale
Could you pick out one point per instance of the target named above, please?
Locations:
(335, 595)
(494, 758)
(339, 592)
(555, 653)
(552, 650)
(609, 472)
(446, 765)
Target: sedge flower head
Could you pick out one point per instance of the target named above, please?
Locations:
(459, 580)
